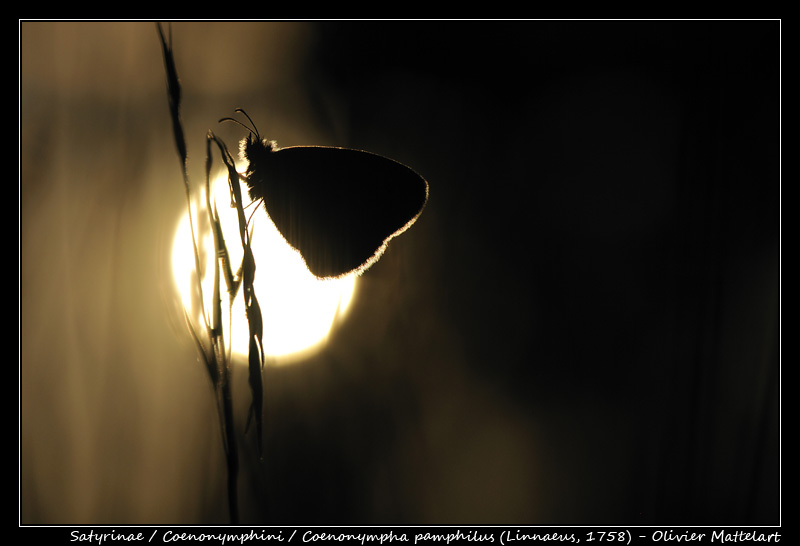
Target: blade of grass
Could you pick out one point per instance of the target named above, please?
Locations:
(174, 96)
(216, 361)
(252, 307)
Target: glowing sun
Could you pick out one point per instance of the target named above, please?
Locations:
(298, 309)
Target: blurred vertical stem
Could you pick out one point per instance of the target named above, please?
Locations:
(212, 348)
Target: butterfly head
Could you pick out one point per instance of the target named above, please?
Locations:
(256, 151)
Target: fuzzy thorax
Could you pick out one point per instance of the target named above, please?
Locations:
(255, 151)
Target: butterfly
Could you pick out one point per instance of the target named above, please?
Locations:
(338, 207)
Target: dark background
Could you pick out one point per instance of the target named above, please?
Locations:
(581, 328)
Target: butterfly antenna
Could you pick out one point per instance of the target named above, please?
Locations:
(234, 120)
(252, 128)
(255, 129)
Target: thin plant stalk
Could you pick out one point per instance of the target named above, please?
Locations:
(213, 349)
(252, 307)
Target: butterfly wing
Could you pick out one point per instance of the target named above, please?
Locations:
(339, 207)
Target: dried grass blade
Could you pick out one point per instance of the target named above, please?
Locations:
(252, 307)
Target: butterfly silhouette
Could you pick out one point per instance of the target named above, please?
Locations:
(338, 207)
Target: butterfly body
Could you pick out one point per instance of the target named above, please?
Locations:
(338, 207)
